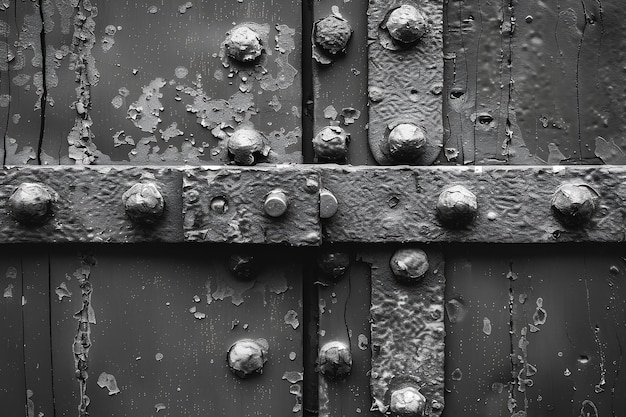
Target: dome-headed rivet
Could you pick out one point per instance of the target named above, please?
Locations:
(406, 24)
(333, 264)
(457, 206)
(243, 44)
(328, 204)
(409, 265)
(247, 356)
(334, 360)
(406, 142)
(243, 266)
(30, 203)
(332, 34)
(276, 203)
(143, 203)
(247, 145)
(331, 144)
(407, 402)
(574, 204)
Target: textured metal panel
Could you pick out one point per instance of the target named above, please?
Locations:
(398, 204)
(89, 205)
(243, 191)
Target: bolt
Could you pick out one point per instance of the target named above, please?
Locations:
(247, 144)
(333, 264)
(406, 24)
(219, 205)
(276, 203)
(328, 204)
(243, 44)
(335, 360)
(243, 266)
(409, 265)
(331, 144)
(143, 203)
(406, 142)
(457, 206)
(332, 34)
(407, 402)
(247, 356)
(574, 204)
(30, 203)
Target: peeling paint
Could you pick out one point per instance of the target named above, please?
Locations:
(8, 291)
(109, 382)
(62, 291)
(144, 113)
(291, 319)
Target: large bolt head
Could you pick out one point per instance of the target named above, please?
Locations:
(332, 34)
(143, 203)
(409, 265)
(457, 206)
(335, 360)
(276, 203)
(406, 24)
(30, 203)
(406, 142)
(243, 44)
(247, 356)
(407, 402)
(331, 143)
(574, 204)
(246, 145)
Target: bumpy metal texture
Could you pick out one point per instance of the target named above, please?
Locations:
(88, 206)
(245, 191)
(407, 332)
(405, 84)
(399, 204)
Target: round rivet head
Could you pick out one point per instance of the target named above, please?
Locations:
(30, 203)
(332, 34)
(143, 203)
(406, 24)
(574, 204)
(276, 203)
(333, 264)
(246, 146)
(247, 357)
(243, 44)
(409, 265)
(335, 360)
(407, 402)
(328, 204)
(457, 206)
(331, 144)
(406, 142)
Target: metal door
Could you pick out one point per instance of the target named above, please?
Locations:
(379, 207)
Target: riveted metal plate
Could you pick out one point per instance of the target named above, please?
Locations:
(89, 205)
(398, 204)
(226, 205)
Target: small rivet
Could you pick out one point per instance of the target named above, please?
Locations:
(328, 204)
(407, 402)
(457, 206)
(406, 24)
(30, 203)
(243, 44)
(409, 265)
(335, 360)
(219, 205)
(331, 144)
(406, 142)
(247, 356)
(246, 146)
(143, 203)
(333, 264)
(332, 34)
(243, 266)
(574, 204)
(276, 203)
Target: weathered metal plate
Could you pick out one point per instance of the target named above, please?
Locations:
(89, 205)
(514, 204)
(407, 327)
(226, 205)
(405, 84)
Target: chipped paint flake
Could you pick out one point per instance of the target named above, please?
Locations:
(62, 291)
(108, 381)
(293, 376)
(144, 113)
(8, 291)
(291, 319)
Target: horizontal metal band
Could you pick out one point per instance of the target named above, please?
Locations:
(280, 204)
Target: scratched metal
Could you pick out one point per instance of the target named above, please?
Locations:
(407, 328)
(89, 206)
(406, 85)
(239, 217)
(163, 321)
(147, 82)
(398, 204)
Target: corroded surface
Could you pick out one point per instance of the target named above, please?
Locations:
(405, 85)
(514, 204)
(407, 332)
(245, 191)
